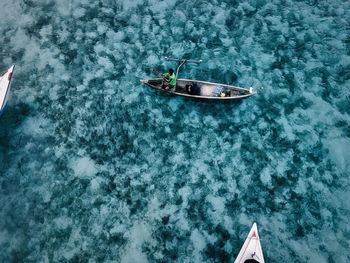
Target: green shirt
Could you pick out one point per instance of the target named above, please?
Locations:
(171, 78)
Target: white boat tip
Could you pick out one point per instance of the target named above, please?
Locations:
(255, 227)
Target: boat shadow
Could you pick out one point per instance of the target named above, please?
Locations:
(12, 117)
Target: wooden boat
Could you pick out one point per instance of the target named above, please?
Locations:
(200, 89)
(251, 251)
(5, 82)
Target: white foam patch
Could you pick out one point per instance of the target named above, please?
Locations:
(152, 60)
(289, 133)
(265, 177)
(137, 235)
(158, 7)
(95, 184)
(301, 187)
(83, 167)
(77, 13)
(217, 203)
(154, 212)
(45, 192)
(339, 152)
(37, 126)
(345, 60)
(64, 7)
(131, 4)
(199, 244)
(185, 192)
(63, 222)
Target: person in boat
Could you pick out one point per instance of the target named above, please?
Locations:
(169, 80)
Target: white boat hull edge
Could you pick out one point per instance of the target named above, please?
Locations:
(251, 249)
(5, 81)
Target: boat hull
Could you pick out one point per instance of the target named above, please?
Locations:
(251, 249)
(202, 89)
(5, 83)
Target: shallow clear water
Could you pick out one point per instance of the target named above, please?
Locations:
(95, 167)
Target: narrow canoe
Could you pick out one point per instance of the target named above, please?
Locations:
(202, 89)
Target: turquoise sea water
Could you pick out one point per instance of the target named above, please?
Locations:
(96, 167)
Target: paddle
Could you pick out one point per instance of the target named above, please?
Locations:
(157, 72)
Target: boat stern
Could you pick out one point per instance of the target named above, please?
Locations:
(252, 91)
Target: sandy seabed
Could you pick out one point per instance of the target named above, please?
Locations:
(96, 167)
